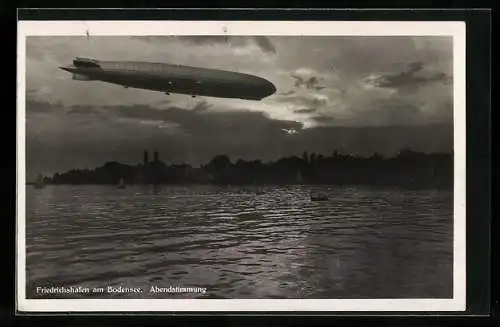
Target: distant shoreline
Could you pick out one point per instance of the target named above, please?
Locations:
(260, 186)
(407, 169)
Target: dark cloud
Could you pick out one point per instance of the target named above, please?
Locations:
(85, 110)
(410, 78)
(205, 39)
(308, 83)
(262, 42)
(305, 111)
(415, 67)
(202, 106)
(265, 44)
(394, 114)
(323, 119)
(39, 107)
(221, 123)
(200, 135)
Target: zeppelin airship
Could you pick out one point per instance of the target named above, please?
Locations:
(170, 78)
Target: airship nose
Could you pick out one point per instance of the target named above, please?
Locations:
(267, 87)
(67, 68)
(271, 89)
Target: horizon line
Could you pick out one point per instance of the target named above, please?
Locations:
(233, 160)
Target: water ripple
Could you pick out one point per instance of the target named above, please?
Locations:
(362, 243)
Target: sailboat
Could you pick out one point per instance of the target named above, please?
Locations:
(39, 182)
(299, 179)
(121, 183)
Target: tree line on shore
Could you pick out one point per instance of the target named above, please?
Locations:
(408, 167)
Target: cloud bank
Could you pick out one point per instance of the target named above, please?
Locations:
(362, 94)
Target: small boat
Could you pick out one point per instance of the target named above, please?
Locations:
(39, 182)
(121, 183)
(319, 197)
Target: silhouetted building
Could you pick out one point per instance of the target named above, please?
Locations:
(146, 158)
(156, 158)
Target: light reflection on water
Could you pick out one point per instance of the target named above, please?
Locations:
(361, 243)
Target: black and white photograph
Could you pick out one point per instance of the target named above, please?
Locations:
(241, 166)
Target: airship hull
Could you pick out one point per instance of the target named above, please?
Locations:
(173, 78)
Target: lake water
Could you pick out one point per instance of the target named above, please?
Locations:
(238, 243)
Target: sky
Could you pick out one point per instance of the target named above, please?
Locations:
(354, 94)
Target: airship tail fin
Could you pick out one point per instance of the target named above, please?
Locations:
(85, 62)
